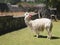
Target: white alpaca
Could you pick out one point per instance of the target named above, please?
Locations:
(38, 25)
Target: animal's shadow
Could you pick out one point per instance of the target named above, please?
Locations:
(53, 37)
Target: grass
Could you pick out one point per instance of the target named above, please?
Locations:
(25, 37)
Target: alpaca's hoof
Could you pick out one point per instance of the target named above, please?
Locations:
(38, 36)
(49, 38)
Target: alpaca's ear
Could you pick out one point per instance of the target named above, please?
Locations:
(26, 14)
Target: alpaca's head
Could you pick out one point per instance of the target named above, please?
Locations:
(27, 16)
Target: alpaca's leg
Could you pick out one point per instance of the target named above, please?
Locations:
(49, 33)
(37, 33)
(34, 33)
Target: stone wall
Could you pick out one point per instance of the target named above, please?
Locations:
(10, 23)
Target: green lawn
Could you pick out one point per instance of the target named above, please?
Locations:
(25, 37)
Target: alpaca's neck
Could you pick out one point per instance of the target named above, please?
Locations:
(28, 21)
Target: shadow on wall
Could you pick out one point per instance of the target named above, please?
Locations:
(9, 24)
